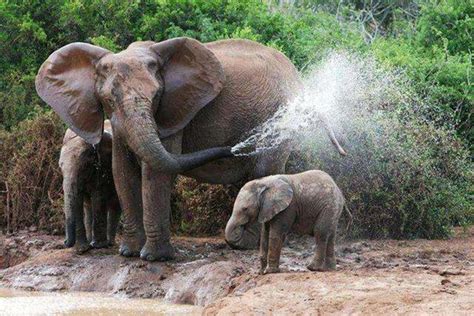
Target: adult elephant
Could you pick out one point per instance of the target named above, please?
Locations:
(175, 106)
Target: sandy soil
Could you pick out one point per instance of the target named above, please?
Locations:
(373, 277)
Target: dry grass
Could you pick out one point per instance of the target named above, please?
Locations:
(200, 209)
(30, 175)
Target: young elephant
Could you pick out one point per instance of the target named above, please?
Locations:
(91, 205)
(306, 203)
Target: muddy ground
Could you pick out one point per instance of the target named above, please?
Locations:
(389, 276)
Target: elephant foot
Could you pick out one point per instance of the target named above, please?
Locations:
(127, 250)
(269, 270)
(68, 242)
(330, 266)
(163, 252)
(99, 244)
(81, 248)
(130, 247)
(319, 267)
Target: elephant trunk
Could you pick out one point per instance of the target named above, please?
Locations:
(242, 236)
(143, 139)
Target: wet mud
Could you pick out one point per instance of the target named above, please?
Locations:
(373, 276)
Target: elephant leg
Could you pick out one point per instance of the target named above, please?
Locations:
(330, 263)
(128, 184)
(156, 209)
(82, 244)
(88, 218)
(113, 218)
(99, 227)
(276, 238)
(74, 210)
(318, 262)
(264, 235)
(156, 196)
(71, 204)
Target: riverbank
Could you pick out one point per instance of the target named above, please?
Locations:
(373, 276)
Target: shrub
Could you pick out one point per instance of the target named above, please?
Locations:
(407, 174)
(401, 185)
(30, 174)
(200, 209)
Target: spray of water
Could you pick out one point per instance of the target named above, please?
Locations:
(342, 88)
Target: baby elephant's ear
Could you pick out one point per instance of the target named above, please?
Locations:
(276, 198)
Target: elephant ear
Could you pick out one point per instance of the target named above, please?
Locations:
(276, 198)
(66, 81)
(192, 76)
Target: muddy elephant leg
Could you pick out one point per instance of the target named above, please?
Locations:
(156, 195)
(276, 238)
(330, 263)
(99, 227)
(264, 235)
(72, 202)
(88, 218)
(82, 244)
(319, 259)
(113, 218)
(128, 184)
(74, 210)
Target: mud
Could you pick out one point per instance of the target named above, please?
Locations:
(409, 277)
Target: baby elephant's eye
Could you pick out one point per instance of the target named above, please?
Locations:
(104, 68)
(152, 64)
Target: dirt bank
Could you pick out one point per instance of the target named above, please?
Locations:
(373, 276)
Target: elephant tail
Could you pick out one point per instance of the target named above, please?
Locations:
(350, 220)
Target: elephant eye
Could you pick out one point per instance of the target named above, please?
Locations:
(152, 64)
(104, 67)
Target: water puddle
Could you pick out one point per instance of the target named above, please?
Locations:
(13, 302)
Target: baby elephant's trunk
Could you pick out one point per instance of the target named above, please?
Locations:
(243, 237)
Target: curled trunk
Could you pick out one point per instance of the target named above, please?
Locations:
(243, 237)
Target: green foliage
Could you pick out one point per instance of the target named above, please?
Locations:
(447, 24)
(402, 178)
(441, 78)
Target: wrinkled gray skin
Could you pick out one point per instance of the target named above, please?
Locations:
(305, 203)
(91, 204)
(176, 107)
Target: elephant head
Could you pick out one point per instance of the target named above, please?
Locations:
(257, 202)
(149, 91)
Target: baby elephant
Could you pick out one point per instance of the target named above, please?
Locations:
(91, 204)
(306, 203)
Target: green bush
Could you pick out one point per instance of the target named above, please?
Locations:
(414, 183)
